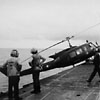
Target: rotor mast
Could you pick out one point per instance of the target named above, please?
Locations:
(68, 39)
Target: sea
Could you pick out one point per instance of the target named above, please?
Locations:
(25, 57)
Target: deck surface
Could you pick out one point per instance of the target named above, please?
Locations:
(67, 85)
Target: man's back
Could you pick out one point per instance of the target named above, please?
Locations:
(12, 65)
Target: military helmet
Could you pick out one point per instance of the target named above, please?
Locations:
(14, 53)
(34, 51)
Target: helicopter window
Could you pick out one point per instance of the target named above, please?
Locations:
(85, 48)
(79, 51)
(72, 54)
(91, 46)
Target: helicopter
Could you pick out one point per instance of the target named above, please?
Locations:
(64, 58)
(67, 57)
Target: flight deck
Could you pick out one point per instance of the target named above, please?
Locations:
(67, 85)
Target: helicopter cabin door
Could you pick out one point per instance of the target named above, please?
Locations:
(75, 55)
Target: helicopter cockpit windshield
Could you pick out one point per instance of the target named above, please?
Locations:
(92, 46)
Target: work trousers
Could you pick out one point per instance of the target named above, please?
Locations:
(36, 82)
(95, 70)
(13, 83)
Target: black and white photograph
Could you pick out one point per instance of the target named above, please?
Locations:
(49, 49)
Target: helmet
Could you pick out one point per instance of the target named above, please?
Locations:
(34, 51)
(14, 53)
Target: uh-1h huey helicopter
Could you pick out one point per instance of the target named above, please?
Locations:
(64, 58)
(67, 57)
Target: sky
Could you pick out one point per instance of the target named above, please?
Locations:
(42, 23)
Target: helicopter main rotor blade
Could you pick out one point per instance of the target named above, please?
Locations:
(52, 46)
(49, 47)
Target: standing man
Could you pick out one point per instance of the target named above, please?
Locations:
(13, 72)
(36, 62)
(96, 69)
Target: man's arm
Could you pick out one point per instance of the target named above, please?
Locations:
(42, 58)
(4, 65)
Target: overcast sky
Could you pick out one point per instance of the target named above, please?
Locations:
(41, 23)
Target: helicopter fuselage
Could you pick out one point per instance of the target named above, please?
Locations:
(76, 55)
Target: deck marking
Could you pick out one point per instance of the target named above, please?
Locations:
(89, 95)
(53, 81)
(66, 73)
(63, 75)
(98, 97)
(45, 95)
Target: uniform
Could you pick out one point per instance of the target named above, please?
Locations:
(35, 63)
(13, 73)
(96, 69)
